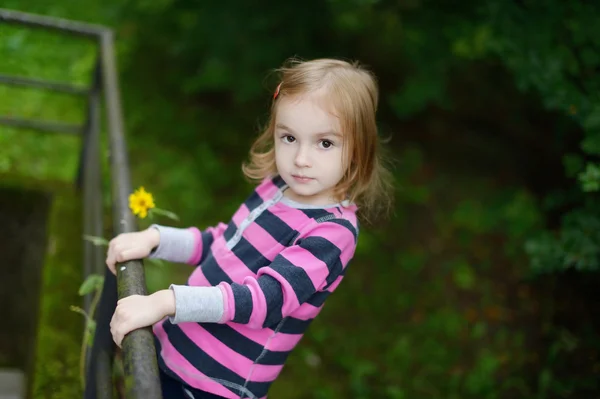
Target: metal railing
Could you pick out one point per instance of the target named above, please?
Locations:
(139, 352)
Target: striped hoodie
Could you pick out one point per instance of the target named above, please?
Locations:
(270, 270)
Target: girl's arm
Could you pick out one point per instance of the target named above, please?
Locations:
(188, 245)
(314, 265)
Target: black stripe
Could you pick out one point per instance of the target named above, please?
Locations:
(213, 272)
(346, 224)
(318, 299)
(296, 276)
(271, 288)
(278, 181)
(317, 213)
(207, 240)
(251, 257)
(253, 201)
(209, 366)
(230, 231)
(294, 326)
(166, 370)
(243, 303)
(244, 345)
(276, 227)
(327, 252)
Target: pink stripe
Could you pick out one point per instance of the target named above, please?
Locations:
(241, 214)
(281, 341)
(266, 189)
(284, 342)
(306, 311)
(226, 314)
(335, 284)
(294, 219)
(195, 258)
(233, 266)
(346, 255)
(262, 373)
(226, 356)
(337, 234)
(218, 230)
(315, 268)
(188, 373)
(262, 241)
(351, 216)
(228, 301)
(197, 279)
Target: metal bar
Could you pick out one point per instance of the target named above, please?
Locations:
(92, 187)
(139, 351)
(98, 378)
(92, 205)
(56, 127)
(39, 21)
(42, 84)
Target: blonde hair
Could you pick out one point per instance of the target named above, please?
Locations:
(353, 94)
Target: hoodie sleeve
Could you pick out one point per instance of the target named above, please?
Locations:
(315, 263)
(185, 245)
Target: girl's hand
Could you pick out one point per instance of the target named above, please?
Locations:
(130, 246)
(138, 311)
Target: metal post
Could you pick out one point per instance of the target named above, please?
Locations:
(141, 368)
(99, 382)
(92, 185)
(59, 24)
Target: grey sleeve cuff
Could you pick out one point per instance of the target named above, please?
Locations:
(197, 304)
(175, 245)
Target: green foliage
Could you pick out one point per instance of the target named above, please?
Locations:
(551, 48)
(576, 246)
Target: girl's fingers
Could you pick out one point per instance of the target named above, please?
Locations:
(110, 262)
(130, 254)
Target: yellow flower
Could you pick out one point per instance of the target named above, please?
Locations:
(140, 202)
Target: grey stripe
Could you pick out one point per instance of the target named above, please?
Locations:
(197, 304)
(176, 245)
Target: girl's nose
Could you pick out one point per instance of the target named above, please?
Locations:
(302, 158)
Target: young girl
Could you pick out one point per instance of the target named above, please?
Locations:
(262, 278)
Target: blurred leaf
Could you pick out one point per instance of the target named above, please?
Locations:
(98, 241)
(590, 178)
(463, 275)
(169, 214)
(90, 329)
(591, 143)
(92, 283)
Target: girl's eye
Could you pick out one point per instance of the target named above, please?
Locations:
(288, 139)
(326, 144)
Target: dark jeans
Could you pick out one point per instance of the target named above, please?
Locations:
(173, 389)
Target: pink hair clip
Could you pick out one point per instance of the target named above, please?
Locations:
(277, 91)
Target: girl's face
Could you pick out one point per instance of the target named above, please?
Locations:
(309, 151)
